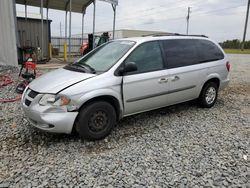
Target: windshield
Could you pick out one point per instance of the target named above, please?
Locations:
(104, 57)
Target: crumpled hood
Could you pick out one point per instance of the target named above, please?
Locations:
(57, 80)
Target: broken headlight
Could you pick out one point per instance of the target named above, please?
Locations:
(57, 100)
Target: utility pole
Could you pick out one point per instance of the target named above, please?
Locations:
(245, 30)
(188, 16)
(114, 9)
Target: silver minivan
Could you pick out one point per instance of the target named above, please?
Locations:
(125, 77)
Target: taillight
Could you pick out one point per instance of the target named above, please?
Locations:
(228, 66)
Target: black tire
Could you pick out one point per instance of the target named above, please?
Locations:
(96, 120)
(208, 95)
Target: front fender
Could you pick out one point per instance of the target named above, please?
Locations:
(99, 93)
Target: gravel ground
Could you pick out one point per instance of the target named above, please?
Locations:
(177, 146)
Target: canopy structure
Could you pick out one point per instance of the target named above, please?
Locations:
(78, 6)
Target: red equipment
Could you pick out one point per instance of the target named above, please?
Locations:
(28, 75)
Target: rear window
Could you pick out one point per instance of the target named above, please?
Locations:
(186, 52)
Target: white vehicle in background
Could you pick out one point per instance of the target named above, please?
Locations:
(125, 77)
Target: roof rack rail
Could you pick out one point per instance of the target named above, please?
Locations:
(157, 34)
(192, 35)
(173, 34)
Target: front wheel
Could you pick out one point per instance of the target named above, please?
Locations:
(208, 95)
(96, 120)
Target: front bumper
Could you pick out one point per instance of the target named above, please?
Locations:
(48, 118)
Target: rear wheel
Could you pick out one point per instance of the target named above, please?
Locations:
(208, 95)
(96, 120)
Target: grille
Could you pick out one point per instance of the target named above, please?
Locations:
(33, 94)
(29, 96)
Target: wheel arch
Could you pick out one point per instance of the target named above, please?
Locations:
(214, 79)
(107, 98)
(110, 96)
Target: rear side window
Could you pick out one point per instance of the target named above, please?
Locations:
(208, 51)
(147, 57)
(180, 52)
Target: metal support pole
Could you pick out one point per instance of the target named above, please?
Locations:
(65, 56)
(66, 26)
(245, 30)
(47, 19)
(114, 9)
(42, 28)
(49, 42)
(94, 2)
(83, 13)
(70, 3)
(26, 24)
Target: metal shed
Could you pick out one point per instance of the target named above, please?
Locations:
(29, 31)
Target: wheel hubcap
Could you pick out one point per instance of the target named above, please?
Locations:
(98, 121)
(210, 95)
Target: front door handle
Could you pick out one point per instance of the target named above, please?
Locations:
(175, 78)
(162, 80)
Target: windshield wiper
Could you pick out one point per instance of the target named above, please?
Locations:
(73, 67)
(86, 65)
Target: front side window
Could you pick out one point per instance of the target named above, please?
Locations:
(147, 57)
(104, 57)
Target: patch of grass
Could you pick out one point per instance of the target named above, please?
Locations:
(237, 51)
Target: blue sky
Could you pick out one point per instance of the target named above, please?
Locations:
(218, 19)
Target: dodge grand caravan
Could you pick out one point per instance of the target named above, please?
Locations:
(125, 77)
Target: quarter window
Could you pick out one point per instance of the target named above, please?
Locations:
(208, 51)
(147, 57)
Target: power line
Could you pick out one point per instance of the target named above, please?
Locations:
(163, 9)
(150, 9)
(179, 18)
(218, 10)
(204, 13)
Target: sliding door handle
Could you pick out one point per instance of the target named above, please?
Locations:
(162, 80)
(175, 78)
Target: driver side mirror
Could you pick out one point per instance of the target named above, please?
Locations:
(128, 67)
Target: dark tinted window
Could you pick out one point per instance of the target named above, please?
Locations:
(147, 57)
(208, 51)
(180, 52)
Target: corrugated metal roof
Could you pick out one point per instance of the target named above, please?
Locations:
(77, 5)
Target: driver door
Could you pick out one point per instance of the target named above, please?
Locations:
(146, 88)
